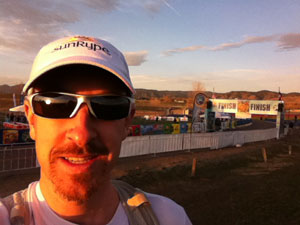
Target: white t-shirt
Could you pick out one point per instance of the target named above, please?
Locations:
(166, 210)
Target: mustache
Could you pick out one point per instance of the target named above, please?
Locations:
(73, 149)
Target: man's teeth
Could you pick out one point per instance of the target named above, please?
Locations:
(76, 160)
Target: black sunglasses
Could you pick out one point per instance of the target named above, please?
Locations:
(59, 105)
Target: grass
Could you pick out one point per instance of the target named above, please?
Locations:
(228, 189)
(224, 192)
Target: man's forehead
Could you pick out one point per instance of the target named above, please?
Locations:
(79, 79)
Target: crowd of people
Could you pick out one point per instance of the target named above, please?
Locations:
(15, 117)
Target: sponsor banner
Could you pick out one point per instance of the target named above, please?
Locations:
(199, 100)
(24, 136)
(158, 129)
(196, 127)
(10, 136)
(135, 130)
(147, 129)
(242, 115)
(224, 105)
(280, 124)
(184, 127)
(15, 125)
(210, 120)
(168, 128)
(176, 128)
(233, 124)
(243, 106)
(189, 127)
(263, 107)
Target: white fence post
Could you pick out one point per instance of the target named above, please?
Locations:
(143, 145)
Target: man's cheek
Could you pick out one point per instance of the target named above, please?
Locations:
(32, 133)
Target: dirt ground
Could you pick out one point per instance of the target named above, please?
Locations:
(231, 186)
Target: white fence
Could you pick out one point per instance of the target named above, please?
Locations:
(14, 158)
(152, 144)
(17, 158)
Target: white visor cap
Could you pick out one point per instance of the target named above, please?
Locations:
(80, 50)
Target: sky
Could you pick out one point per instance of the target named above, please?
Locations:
(227, 45)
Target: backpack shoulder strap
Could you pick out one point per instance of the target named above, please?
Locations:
(136, 205)
(18, 208)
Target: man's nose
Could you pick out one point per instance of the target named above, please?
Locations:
(82, 129)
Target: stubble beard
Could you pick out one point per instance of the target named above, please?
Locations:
(78, 187)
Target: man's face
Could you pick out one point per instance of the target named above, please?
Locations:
(77, 154)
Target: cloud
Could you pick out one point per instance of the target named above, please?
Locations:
(161, 82)
(226, 46)
(181, 50)
(135, 58)
(27, 25)
(252, 71)
(246, 41)
(223, 81)
(152, 6)
(223, 46)
(289, 41)
(102, 5)
(179, 82)
(11, 80)
(170, 7)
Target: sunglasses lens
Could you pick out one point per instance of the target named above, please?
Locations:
(110, 107)
(53, 105)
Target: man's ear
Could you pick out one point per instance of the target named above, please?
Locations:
(30, 118)
(128, 121)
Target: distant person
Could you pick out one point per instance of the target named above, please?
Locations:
(79, 105)
(218, 124)
(291, 126)
(12, 118)
(7, 118)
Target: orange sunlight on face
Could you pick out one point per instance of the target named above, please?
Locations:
(77, 154)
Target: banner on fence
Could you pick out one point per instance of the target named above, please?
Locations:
(13, 136)
(176, 128)
(168, 128)
(147, 129)
(135, 130)
(24, 136)
(158, 129)
(184, 127)
(150, 129)
(10, 136)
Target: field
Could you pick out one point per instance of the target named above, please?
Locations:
(231, 186)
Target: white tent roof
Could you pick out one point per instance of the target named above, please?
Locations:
(19, 108)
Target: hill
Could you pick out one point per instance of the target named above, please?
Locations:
(150, 94)
(158, 101)
(259, 95)
(6, 89)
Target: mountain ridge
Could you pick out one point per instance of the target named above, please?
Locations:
(147, 99)
(142, 93)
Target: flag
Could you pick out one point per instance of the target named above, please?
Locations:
(279, 96)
